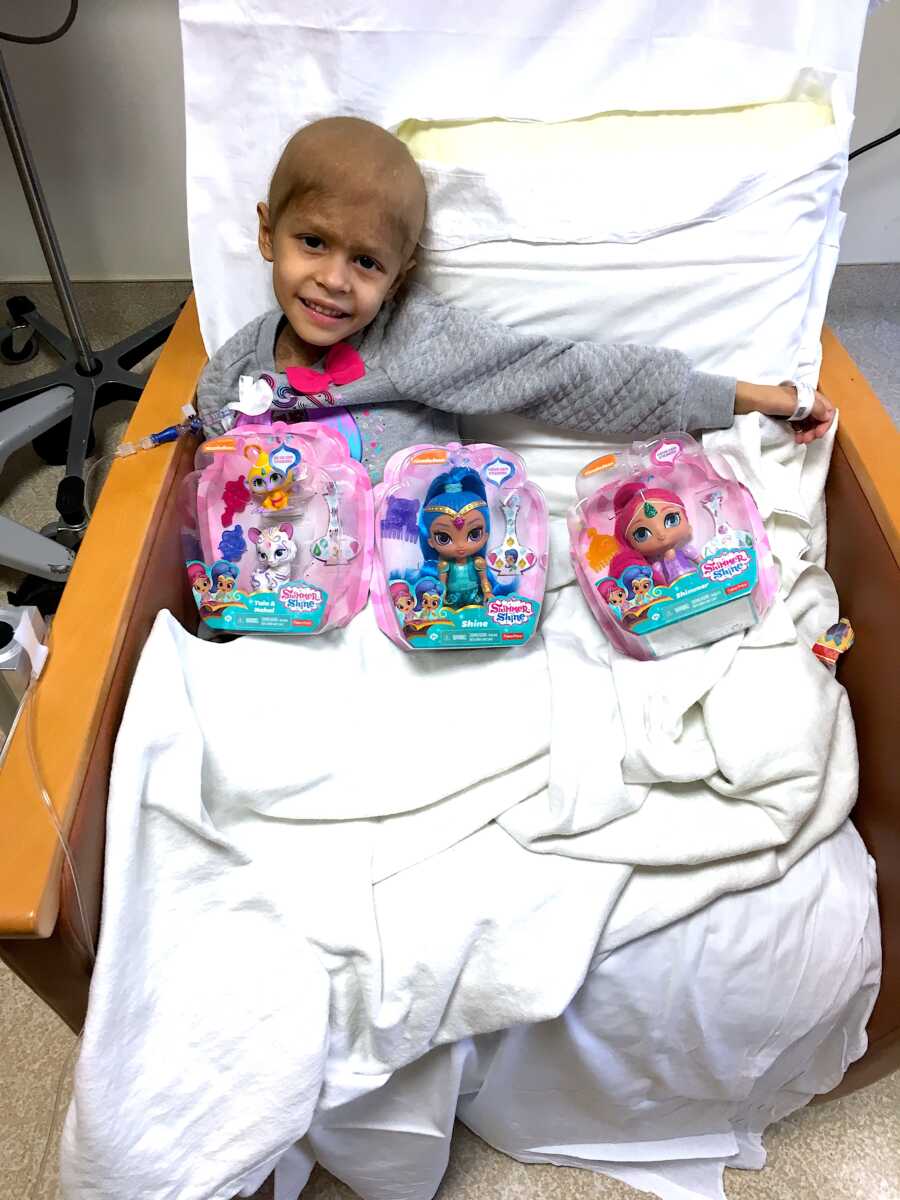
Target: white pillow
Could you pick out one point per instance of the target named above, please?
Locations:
(713, 233)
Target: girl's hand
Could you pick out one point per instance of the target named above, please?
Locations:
(780, 400)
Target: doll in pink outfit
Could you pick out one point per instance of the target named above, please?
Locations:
(652, 523)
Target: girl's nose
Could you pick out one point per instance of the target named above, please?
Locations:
(334, 273)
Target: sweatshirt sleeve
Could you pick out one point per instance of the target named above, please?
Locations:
(218, 383)
(211, 396)
(457, 361)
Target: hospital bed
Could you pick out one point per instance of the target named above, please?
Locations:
(129, 568)
(112, 599)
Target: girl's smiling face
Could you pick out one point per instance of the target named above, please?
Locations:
(335, 262)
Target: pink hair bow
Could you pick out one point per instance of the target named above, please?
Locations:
(342, 365)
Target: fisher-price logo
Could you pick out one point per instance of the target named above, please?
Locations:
(725, 566)
(510, 610)
(300, 599)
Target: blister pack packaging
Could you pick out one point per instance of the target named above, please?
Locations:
(460, 548)
(669, 551)
(277, 535)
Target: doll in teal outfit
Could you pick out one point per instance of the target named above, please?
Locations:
(454, 525)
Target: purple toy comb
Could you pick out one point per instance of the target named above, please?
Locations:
(401, 520)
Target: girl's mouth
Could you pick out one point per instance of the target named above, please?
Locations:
(326, 315)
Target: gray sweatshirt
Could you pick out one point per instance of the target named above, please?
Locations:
(428, 362)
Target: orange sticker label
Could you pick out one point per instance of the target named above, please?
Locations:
(603, 463)
(219, 445)
(429, 458)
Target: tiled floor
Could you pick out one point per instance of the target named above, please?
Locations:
(864, 311)
(845, 1150)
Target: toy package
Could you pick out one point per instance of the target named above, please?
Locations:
(460, 548)
(669, 552)
(278, 530)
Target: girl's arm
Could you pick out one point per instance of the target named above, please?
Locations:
(779, 401)
(455, 360)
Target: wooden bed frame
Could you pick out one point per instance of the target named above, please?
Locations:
(129, 567)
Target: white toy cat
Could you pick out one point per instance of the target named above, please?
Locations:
(275, 551)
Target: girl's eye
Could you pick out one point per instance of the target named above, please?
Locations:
(442, 539)
(311, 241)
(368, 263)
(641, 533)
(476, 534)
(671, 520)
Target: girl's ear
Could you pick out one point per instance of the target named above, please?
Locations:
(264, 238)
(400, 280)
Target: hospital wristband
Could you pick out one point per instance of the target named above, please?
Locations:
(806, 399)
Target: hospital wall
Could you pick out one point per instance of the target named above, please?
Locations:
(103, 108)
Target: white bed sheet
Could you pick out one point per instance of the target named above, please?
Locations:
(677, 1052)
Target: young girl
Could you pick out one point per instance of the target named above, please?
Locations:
(340, 226)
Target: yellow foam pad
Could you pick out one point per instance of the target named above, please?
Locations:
(481, 144)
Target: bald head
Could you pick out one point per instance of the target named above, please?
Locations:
(356, 162)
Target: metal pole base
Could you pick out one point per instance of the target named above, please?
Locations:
(110, 379)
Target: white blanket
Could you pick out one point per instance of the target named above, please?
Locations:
(674, 1055)
(326, 858)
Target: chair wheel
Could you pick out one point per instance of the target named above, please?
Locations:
(53, 446)
(44, 594)
(26, 354)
